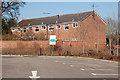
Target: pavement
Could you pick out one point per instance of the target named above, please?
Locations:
(58, 67)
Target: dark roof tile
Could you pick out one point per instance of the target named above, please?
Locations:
(53, 19)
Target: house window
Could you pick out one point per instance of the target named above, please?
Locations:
(43, 27)
(57, 26)
(18, 30)
(24, 29)
(13, 30)
(75, 25)
(74, 39)
(66, 27)
(30, 28)
(66, 39)
(51, 28)
(36, 29)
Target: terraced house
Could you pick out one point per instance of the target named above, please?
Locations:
(87, 26)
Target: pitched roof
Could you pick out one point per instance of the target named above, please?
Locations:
(53, 19)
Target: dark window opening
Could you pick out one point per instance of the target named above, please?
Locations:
(51, 28)
(66, 26)
(24, 30)
(43, 27)
(18, 30)
(75, 25)
(30, 28)
(57, 26)
(36, 29)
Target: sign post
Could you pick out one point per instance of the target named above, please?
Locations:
(52, 42)
(58, 35)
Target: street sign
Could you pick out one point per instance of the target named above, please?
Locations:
(52, 40)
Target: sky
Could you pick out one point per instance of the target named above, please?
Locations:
(37, 9)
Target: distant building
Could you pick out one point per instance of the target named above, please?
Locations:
(72, 27)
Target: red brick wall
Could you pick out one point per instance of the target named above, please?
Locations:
(66, 45)
(96, 28)
(24, 44)
(78, 46)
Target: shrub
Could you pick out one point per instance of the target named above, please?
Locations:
(9, 37)
(20, 52)
(40, 36)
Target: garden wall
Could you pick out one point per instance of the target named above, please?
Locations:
(33, 47)
(78, 45)
(24, 44)
(24, 47)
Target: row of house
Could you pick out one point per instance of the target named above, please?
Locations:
(87, 26)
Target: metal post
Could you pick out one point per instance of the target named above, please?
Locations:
(58, 35)
(21, 34)
(117, 41)
(40, 50)
(50, 50)
(47, 31)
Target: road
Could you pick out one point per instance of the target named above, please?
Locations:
(58, 67)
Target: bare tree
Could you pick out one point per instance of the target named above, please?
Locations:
(27, 35)
(97, 27)
(40, 36)
(10, 9)
(111, 30)
(83, 31)
(117, 42)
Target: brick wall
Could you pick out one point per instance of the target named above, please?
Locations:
(35, 45)
(24, 44)
(78, 46)
(24, 47)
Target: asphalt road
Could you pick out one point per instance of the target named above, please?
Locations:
(58, 67)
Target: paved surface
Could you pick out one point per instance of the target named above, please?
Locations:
(58, 67)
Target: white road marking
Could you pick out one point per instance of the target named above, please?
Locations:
(63, 63)
(104, 74)
(71, 65)
(106, 61)
(66, 61)
(77, 64)
(83, 64)
(34, 75)
(116, 66)
(95, 69)
(74, 63)
(56, 61)
(99, 59)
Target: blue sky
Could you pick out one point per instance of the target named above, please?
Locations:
(36, 9)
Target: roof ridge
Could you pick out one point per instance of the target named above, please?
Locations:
(77, 13)
(37, 18)
(55, 16)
